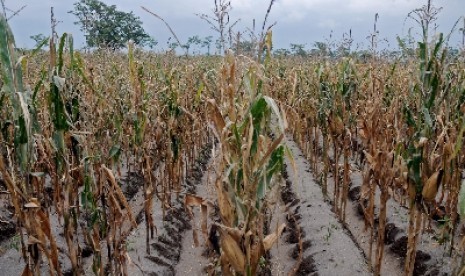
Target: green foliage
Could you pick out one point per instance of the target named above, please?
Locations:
(282, 52)
(207, 42)
(106, 26)
(298, 50)
(40, 40)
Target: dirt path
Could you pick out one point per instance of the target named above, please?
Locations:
(326, 240)
(193, 260)
(431, 257)
(172, 230)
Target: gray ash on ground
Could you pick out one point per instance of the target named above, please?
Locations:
(169, 245)
(294, 234)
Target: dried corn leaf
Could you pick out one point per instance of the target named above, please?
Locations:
(27, 271)
(430, 189)
(120, 194)
(192, 200)
(256, 252)
(269, 240)
(224, 204)
(232, 252)
(336, 125)
(46, 228)
(32, 204)
(422, 142)
(216, 115)
(33, 240)
(204, 226)
(461, 203)
(236, 233)
(275, 144)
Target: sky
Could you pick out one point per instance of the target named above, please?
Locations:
(297, 21)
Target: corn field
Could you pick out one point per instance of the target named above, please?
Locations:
(103, 149)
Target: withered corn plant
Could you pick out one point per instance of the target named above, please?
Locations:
(90, 120)
(250, 162)
(22, 176)
(404, 120)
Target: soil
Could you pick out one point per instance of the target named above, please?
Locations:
(194, 259)
(169, 245)
(7, 224)
(327, 246)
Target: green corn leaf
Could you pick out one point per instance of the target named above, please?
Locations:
(409, 117)
(427, 117)
(71, 50)
(438, 45)
(434, 90)
(414, 165)
(261, 190)
(115, 152)
(198, 95)
(59, 112)
(6, 42)
(240, 206)
(39, 46)
(61, 49)
(39, 84)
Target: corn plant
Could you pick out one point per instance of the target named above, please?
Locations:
(249, 162)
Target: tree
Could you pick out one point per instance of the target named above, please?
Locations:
(172, 45)
(39, 39)
(244, 47)
(193, 40)
(298, 50)
(282, 52)
(105, 26)
(321, 48)
(151, 42)
(13, 13)
(207, 42)
(220, 22)
(462, 31)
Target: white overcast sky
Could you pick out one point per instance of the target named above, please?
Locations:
(298, 21)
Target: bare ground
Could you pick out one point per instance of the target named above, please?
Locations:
(330, 244)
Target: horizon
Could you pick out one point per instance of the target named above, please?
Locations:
(298, 21)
